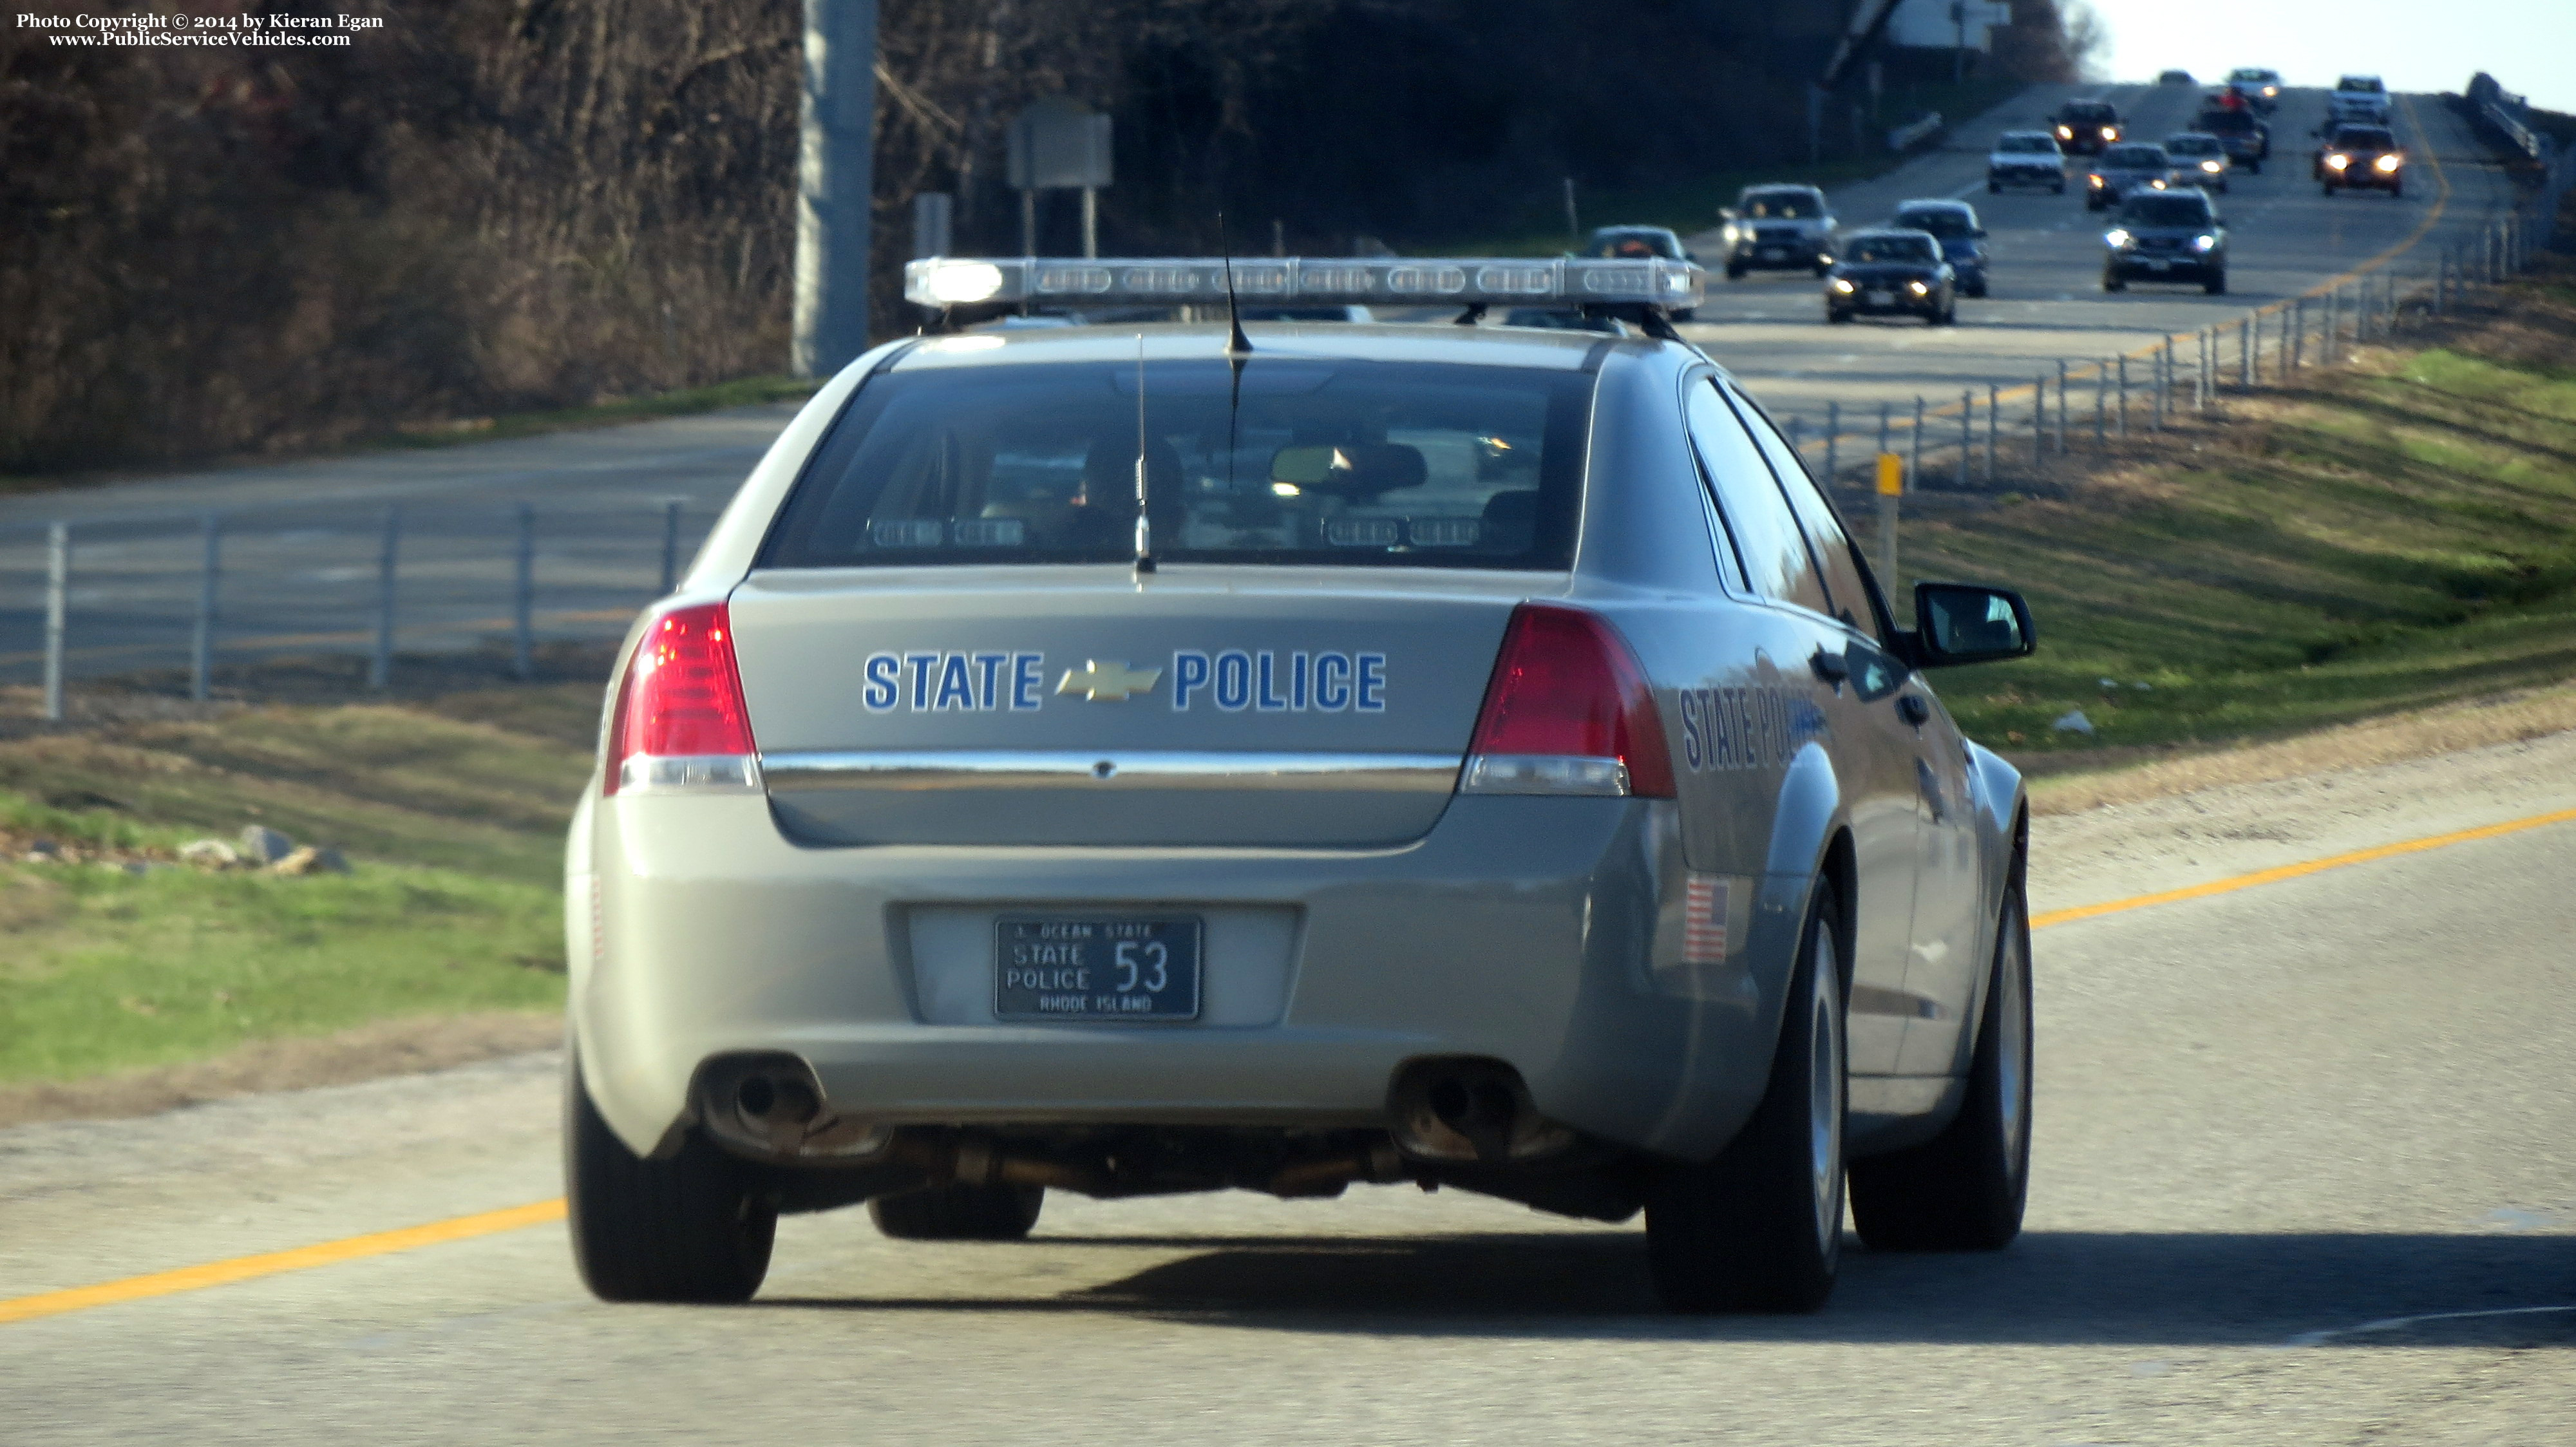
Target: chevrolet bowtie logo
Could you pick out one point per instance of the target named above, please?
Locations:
(1107, 682)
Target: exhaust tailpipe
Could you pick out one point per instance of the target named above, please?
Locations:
(1470, 1110)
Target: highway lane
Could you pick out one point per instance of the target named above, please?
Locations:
(2286, 239)
(301, 560)
(2267, 1124)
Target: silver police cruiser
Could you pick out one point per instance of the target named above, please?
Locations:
(1132, 760)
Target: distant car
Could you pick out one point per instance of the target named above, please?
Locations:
(2261, 87)
(2358, 158)
(2358, 98)
(2026, 158)
(2175, 77)
(1778, 228)
(1640, 243)
(2166, 236)
(2125, 168)
(2202, 158)
(2248, 141)
(2084, 127)
(1963, 241)
(1888, 272)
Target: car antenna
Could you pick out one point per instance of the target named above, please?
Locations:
(1237, 345)
(1144, 524)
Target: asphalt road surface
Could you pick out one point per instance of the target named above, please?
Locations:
(301, 554)
(2305, 1173)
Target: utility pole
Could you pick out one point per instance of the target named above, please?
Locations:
(834, 185)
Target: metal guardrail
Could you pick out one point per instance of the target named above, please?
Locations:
(2503, 113)
(1906, 136)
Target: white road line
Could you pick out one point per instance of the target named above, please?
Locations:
(2399, 1323)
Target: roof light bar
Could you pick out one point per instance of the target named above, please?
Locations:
(946, 281)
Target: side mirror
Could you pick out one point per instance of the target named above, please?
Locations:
(1981, 233)
(1725, 213)
(1958, 623)
(1691, 257)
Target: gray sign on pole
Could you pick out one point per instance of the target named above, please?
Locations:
(933, 223)
(1058, 142)
(833, 181)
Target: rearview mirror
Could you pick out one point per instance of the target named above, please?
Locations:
(1958, 623)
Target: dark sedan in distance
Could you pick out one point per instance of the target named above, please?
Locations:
(2166, 236)
(1887, 272)
(1963, 239)
(2248, 141)
(2084, 127)
(2362, 157)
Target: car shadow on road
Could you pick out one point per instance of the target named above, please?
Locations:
(2051, 1287)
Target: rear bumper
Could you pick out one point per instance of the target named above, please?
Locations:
(2365, 180)
(2026, 175)
(1545, 933)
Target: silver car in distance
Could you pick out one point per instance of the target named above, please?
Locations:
(1143, 760)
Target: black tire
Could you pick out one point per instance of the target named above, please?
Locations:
(691, 1228)
(1760, 1227)
(959, 1213)
(1994, 187)
(1964, 1189)
(2057, 190)
(1686, 314)
(2216, 285)
(1837, 318)
(1735, 271)
(2397, 191)
(2111, 282)
(1977, 292)
(2254, 168)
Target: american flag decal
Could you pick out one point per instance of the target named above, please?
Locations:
(1703, 919)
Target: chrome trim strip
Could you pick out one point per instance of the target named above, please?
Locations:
(935, 769)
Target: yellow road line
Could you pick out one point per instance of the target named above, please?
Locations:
(2299, 871)
(245, 1268)
(538, 1213)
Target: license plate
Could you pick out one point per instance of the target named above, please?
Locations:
(1881, 298)
(1096, 967)
(1774, 253)
(2158, 263)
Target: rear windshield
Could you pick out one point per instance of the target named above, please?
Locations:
(2191, 146)
(1318, 462)
(2360, 83)
(1885, 249)
(2140, 157)
(2227, 123)
(2165, 211)
(1783, 206)
(2027, 146)
(1941, 221)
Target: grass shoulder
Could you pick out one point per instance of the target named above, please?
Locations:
(2392, 536)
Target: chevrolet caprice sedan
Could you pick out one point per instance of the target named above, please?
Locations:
(1144, 760)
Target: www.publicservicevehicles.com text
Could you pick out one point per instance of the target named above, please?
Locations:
(150, 28)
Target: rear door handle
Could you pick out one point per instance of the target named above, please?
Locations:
(1912, 709)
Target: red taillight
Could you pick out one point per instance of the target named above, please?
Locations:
(1567, 686)
(683, 694)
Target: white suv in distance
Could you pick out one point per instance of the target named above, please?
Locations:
(2026, 158)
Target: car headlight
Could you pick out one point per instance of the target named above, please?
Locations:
(2210, 166)
(2110, 133)
(2157, 184)
(2337, 163)
(1842, 286)
(2203, 243)
(2389, 163)
(2271, 90)
(2066, 133)
(2119, 238)
(1918, 288)
(2094, 179)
